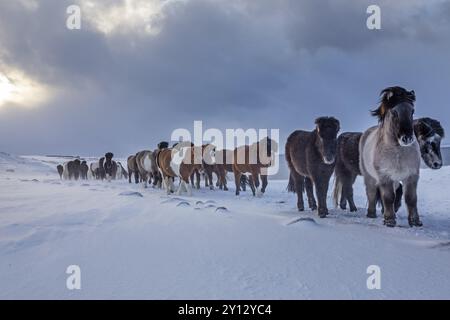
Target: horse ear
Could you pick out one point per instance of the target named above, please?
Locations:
(389, 95)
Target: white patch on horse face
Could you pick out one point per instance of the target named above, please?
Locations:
(212, 157)
(327, 161)
(434, 138)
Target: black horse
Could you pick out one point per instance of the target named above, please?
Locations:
(311, 158)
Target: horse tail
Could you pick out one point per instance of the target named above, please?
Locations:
(337, 191)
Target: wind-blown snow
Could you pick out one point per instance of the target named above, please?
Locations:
(132, 242)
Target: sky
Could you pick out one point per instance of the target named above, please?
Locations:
(139, 69)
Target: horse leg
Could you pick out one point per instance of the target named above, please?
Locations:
(388, 198)
(321, 185)
(371, 192)
(264, 183)
(398, 197)
(192, 178)
(188, 189)
(310, 193)
(223, 179)
(347, 190)
(299, 186)
(198, 178)
(237, 180)
(255, 175)
(209, 177)
(136, 177)
(411, 201)
(251, 182)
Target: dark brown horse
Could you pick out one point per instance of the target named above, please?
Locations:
(72, 169)
(429, 134)
(60, 169)
(84, 170)
(311, 158)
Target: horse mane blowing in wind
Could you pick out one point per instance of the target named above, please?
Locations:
(389, 154)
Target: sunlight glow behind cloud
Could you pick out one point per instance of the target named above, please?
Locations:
(123, 16)
(16, 88)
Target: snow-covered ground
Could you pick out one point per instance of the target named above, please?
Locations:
(169, 247)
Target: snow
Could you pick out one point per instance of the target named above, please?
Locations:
(132, 242)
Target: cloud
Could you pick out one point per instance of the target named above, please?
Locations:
(139, 69)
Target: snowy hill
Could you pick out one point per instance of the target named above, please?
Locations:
(212, 245)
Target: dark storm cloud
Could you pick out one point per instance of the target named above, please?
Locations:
(269, 64)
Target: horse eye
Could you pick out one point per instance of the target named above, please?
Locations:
(395, 113)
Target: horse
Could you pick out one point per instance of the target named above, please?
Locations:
(389, 154)
(132, 169)
(71, 169)
(60, 169)
(254, 159)
(97, 172)
(429, 134)
(311, 159)
(146, 165)
(109, 166)
(121, 172)
(181, 161)
(158, 180)
(84, 170)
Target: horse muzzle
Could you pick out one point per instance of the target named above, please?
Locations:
(329, 160)
(406, 140)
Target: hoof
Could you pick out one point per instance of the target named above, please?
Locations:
(313, 208)
(323, 213)
(343, 207)
(389, 223)
(226, 189)
(371, 215)
(415, 222)
(353, 209)
(301, 209)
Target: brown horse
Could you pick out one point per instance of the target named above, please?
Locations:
(311, 157)
(132, 169)
(146, 165)
(181, 161)
(254, 159)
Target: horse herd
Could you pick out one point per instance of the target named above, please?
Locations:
(387, 155)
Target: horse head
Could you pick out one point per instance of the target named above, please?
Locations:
(163, 145)
(429, 133)
(397, 109)
(327, 129)
(209, 153)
